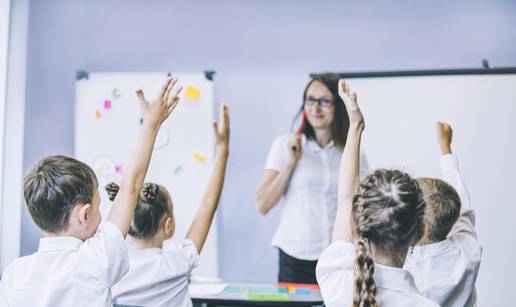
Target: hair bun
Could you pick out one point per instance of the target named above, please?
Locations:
(112, 189)
(149, 192)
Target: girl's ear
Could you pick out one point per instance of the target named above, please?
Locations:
(84, 210)
(168, 225)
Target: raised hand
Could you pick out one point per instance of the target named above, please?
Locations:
(350, 100)
(155, 112)
(444, 136)
(221, 129)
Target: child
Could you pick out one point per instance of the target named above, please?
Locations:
(446, 261)
(160, 269)
(384, 216)
(75, 265)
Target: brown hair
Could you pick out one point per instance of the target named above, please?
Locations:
(443, 208)
(388, 214)
(53, 187)
(153, 204)
(340, 124)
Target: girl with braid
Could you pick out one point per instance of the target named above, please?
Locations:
(377, 221)
(160, 268)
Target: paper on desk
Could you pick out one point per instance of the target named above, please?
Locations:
(203, 288)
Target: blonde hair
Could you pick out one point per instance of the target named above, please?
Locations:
(443, 208)
(387, 213)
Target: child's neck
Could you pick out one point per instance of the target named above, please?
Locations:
(397, 260)
(67, 233)
(426, 241)
(150, 243)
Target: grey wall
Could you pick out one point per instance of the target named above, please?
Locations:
(261, 51)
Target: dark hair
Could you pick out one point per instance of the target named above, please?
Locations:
(151, 207)
(340, 124)
(442, 207)
(388, 213)
(53, 187)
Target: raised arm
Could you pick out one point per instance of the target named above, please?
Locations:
(154, 114)
(450, 173)
(349, 165)
(275, 183)
(202, 222)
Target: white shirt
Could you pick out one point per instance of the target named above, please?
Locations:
(446, 271)
(310, 201)
(336, 278)
(66, 271)
(158, 277)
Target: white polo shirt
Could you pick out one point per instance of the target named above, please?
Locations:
(336, 277)
(310, 201)
(446, 271)
(66, 271)
(158, 277)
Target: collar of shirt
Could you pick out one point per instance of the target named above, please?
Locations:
(53, 244)
(313, 146)
(143, 251)
(394, 278)
(432, 249)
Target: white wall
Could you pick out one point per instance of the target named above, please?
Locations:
(5, 10)
(11, 196)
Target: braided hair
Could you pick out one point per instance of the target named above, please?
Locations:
(388, 214)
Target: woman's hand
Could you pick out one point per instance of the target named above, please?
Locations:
(294, 149)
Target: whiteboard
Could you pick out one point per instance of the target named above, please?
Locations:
(400, 115)
(108, 123)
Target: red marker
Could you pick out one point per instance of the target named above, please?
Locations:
(299, 130)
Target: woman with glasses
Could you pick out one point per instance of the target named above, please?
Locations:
(302, 171)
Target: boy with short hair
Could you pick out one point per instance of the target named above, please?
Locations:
(75, 265)
(446, 260)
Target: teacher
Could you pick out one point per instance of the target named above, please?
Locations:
(302, 171)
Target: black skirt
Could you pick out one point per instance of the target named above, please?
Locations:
(296, 270)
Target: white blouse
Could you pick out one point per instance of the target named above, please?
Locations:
(65, 271)
(336, 276)
(158, 277)
(310, 201)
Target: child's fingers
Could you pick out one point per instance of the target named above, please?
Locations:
(226, 115)
(175, 94)
(221, 114)
(342, 87)
(164, 87)
(141, 97)
(173, 105)
(169, 89)
(215, 127)
(343, 90)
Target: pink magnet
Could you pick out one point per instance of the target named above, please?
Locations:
(118, 168)
(107, 104)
